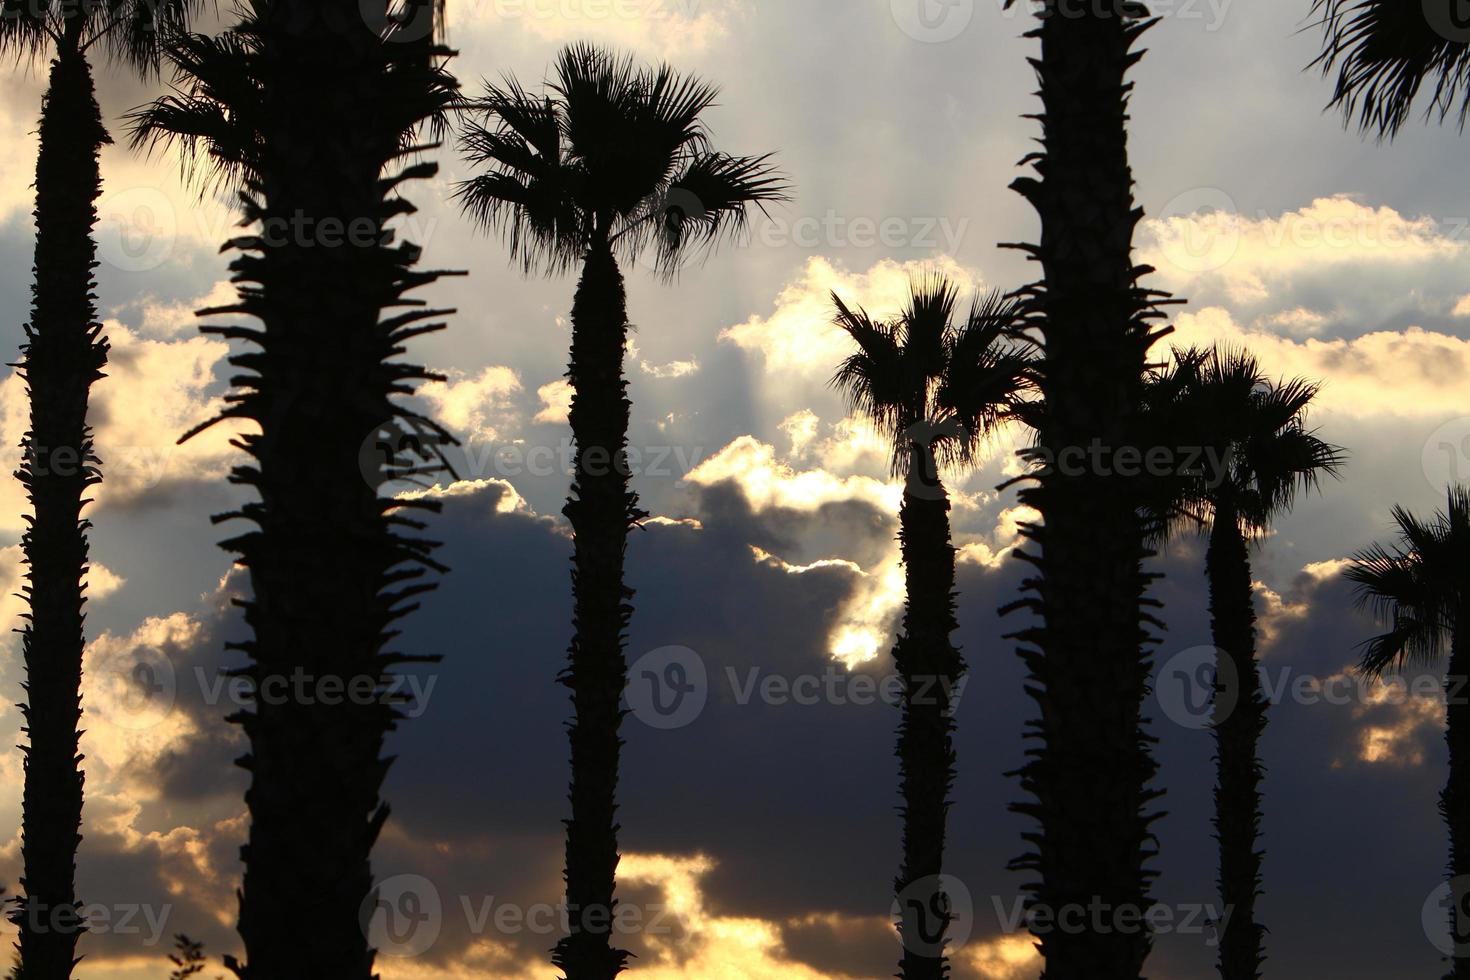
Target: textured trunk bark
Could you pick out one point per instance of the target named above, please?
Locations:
(328, 570)
(1454, 802)
(1239, 721)
(930, 667)
(64, 354)
(601, 508)
(1088, 774)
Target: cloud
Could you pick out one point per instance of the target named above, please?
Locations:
(799, 338)
(479, 406)
(661, 25)
(1365, 376)
(556, 402)
(673, 369)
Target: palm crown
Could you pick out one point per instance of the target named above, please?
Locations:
(612, 154)
(923, 377)
(1220, 400)
(1420, 587)
(133, 32)
(1383, 52)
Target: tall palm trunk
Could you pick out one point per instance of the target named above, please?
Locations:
(63, 355)
(1454, 801)
(329, 572)
(1240, 719)
(601, 508)
(930, 667)
(1086, 658)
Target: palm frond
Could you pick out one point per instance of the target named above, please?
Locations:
(1383, 52)
(708, 203)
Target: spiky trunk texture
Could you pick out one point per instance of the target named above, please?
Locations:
(1454, 801)
(329, 571)
(64, 354)
(601, 509)
(930, 667)
(1089, 771)
(1239, 721)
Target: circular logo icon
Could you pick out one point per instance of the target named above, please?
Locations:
(1446, 917)
(402, 916)
(134, 687)
(668, 687)
(1198, 230)
(401, 22)
(933, 21)
(934, 915)
(1196, 687)
(1447, 454)
(136, 229)
(1450, 19)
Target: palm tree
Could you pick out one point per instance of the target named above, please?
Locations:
(63, 355)
(935, 389)
(1383, 52)
(610, 161)
(309, 110)
(1088, 773)
(1221, 400)
(1421, 588)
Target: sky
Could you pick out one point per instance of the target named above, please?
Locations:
(759, 819)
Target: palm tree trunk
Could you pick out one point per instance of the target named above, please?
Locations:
(601, 508)
(329, 571)
(1239, 721)
(1454, 802)
(63, 356)
(930, 667)
(1088, 774)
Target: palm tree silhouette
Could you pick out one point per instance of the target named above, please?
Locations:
(1384, 51)
(935, 389)
(612, 160)
(309, 110)
(1421, 588)
(63, 355)
(1256, 429)
(1088, 773)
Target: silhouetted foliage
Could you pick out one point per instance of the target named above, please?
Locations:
(611, 161)
(63, 355)
(1420, 588)
(1261, 455)
(1088, 770)
(934, 388)
(314, 108)
(188, 958)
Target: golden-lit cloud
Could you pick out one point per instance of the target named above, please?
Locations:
(659, 25)
(478, 407)
(799, 338)
(556, 402)
(1362, 376)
